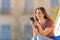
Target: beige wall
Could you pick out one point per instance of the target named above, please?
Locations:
(17, 8)
(0, 3)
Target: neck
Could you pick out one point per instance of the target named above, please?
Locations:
(42, 21)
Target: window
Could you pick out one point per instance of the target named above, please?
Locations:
(54, 3)
(28, 6)
(6, 32)
(5, 6)
(0, 6)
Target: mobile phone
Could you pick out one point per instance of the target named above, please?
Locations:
(32, 19)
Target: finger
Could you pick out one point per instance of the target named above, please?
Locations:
(33, 26)
(36, 31)
(38, 24)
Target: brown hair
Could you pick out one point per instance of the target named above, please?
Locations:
(44, 12)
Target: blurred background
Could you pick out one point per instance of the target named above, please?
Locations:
(14, 17)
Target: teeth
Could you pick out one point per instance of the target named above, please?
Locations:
(39, 20)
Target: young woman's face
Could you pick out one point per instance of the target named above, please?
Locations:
(39, 14)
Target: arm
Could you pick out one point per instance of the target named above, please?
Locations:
(46, 31)
(35, 30)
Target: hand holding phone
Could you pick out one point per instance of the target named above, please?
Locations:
(32, 19)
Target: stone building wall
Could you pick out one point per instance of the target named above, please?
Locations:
(21, 28)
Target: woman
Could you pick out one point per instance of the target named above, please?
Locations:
(43, 26)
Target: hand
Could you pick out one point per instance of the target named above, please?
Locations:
(35, 30)
(38, 25)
